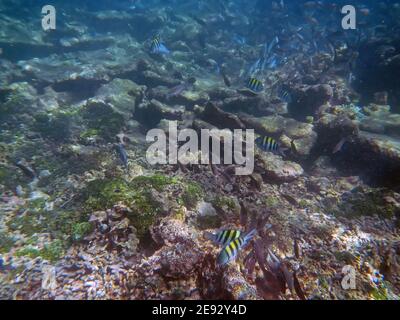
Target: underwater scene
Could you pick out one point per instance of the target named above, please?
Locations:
(199, 150)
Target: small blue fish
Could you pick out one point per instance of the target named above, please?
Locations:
(272, 62)
(239, 39)
(123, 156)
(256, 67)
(230, 252)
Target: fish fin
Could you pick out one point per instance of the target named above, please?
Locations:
(282, 151)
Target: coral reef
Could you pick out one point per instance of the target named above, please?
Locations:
(84, 215)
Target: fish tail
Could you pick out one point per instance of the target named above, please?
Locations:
(247, 238)
(209, 236)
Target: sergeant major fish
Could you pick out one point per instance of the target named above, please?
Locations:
(254, 85)
(230, 252)
(269, 144)
(223, 237)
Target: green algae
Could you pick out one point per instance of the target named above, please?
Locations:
(136, 195)
(56, 126)
(6, 243)
(64, 227)
(157, 181)
(103, 118)
(51, 252)
(89, 133)
(224, 203)
(81, 230)
(192, 194)
(367, 203)
(379, 293)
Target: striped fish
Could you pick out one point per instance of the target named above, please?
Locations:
(230, 251)
(267, 144)
(284, 96)
(254, 85)
(224, 237)
(157, 47)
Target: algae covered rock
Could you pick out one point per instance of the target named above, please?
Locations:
(123, 95)
(142, 197)
(274, 169)
(19, 98)
(369, 202)
(103, 117)
(309, 99)
(299, 135)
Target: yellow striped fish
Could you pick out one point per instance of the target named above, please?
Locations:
(230, 251)
(254, 85)
(223, 237)
(267, 144)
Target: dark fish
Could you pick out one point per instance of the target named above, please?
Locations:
(227, 81)
(254, 85)
(230, 252)
(123, 156)
(177, 90)
(26, 169)
(339, 146)
(244, 215)
(157, 47)
(223, 237)
(297, 287)
(297, 250)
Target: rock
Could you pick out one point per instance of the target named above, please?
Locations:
(152, 79)
(172, 231)
(123, 95)
(220, 118)
(107, 119)
(179, 261)
(207, 217)
(276, 170)
(237, 286)
(301, 134)
(253, 104)
(20, 97)
(374, 155)
(152, 112)
(309, 99)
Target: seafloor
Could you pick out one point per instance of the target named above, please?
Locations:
(76, 224)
